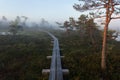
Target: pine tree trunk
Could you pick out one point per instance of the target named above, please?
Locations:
(104, 45)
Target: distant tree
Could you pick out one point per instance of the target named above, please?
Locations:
(107, 9)
(15, 26)
(4, 23)
(25, 19)
(93, 33)
(4, 18)
(82, 20)
(72, 22)
(88, 29)
(44, 23)
(66, 26)
(69, 25)
(80, 25)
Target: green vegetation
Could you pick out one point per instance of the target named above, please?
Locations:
(90, 53)
(23, 57)
(96, 8)
(84, 63)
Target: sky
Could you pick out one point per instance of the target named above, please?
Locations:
(50, 10)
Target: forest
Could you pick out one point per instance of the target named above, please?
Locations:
(23, 56)
(91, 53)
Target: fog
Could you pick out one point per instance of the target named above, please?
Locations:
(25, 22)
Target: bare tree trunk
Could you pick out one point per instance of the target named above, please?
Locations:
(104, 45)
(103, 57)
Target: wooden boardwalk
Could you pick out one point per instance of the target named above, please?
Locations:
(56, 71)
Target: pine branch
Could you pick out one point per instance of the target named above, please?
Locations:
(115, 17)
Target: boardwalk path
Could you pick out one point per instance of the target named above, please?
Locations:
(56, 71)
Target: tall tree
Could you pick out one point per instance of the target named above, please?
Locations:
(107, 9)
(88, 29)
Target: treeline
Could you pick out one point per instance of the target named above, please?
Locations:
(82, 44)
(22, 57)
(21, 23)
